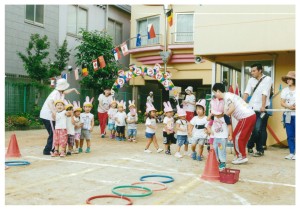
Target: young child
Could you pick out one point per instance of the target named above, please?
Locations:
(120, 119)
(168, 131)
(197, 130)
(111, 118)
(151, 128)
(87, 118)
(221, 129)
(60, 133)
(131, 121)
(182, 131)
(70, 127)
(78, 124)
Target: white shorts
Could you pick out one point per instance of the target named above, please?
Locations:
(197, 140)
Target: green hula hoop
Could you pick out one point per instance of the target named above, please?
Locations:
(17, 163)
(171, 179)
(149, 191)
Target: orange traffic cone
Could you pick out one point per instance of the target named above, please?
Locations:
(211, 170)
(13, 148)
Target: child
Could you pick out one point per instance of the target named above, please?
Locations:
(182, 131)
(221, 129)
(60, 132)
(111, 118)
(78, 124)
(70, 127)
(168, 131)
(197, 130)
(131, 121)
(87, 119)
(120, 119)
(151, 128)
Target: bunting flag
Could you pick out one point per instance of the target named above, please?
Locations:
(230, 89)
(101, 61)
(117, 53)
(237, 91)
(76, 74)
(85, 72)
(95, 65)
(138, 40)
(170, 17)
(151, 32)
(124, 48)
(64, 75)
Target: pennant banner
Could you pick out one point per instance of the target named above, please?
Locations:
(138, 40)
(101, 61)
(170, 17)
(85, 72)
(95, 65)
(76, 74)
(151, 32)
(124, 48)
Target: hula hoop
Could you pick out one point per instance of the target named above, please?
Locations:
(88, 201)
(131, 195)
(158, 183)
(17, 163)
(171, 179)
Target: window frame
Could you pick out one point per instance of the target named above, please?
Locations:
(185, 13)
(115, 23)
(77, 29)
(147, 19)
(33, 22)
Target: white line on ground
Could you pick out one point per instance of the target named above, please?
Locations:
(270, 183)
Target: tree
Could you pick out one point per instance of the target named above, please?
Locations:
(92, 45)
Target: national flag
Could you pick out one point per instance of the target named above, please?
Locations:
(151, 32)
(85, 72)
(124, 48)
(95, 65)
(138, 40)
(116, 53)
(76, 74)
(101, 61)
(170, 17)
(65, 76)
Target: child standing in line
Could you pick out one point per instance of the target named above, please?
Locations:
(70, 127)
(120, 119)
(87, 118)
(221, 129)
(182, 131)
(131, 121)
(168, 131)
(151, 128)
(111, 118)
(197, 130)
(78, 124)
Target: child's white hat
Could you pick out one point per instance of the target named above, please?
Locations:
(88, 102)
(189, 88)
(77, 106)
(168, 107)
(180, 112)
(131, 103)
(150, 107)
(202, 103)
(217, 106)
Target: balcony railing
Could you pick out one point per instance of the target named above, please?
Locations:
(145, 42)
(182, 37)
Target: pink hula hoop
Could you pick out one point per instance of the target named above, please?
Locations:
(153, 182)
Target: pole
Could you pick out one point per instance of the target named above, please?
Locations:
(166, 37)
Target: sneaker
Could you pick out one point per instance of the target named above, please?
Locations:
(168, 152)
(76, 151)
(250, 151)
(186, 153)
(102, 135)
(147, 151)
(62, 154)
(199, 158)
(80, 150)
(88, 150)
(54, 154)
(159, 150)
(258, 154)
(118, 138)
(222, 166)
(265, 147)
(69, 153)
(178, 155)
(239, 161)
(123, 139)
(294, 157)
(194, 155)
(111, 136)
(134, 141)
(289, 157)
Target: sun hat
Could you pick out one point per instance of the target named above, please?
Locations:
(202, 103)
(62, 84)
(167, 107)
(150, 107)
(180, 112)
(150, 92)
(290, 75)
(189, 88)
(217, 106)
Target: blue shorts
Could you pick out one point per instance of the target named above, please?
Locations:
(131, 132)
(149, 135)
(111, 127)
(181, 140)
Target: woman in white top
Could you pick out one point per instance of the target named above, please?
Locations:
(46, 111)
(104, 101)
(288, 101)
(189, 103)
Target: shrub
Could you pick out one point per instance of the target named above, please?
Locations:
(21, 122)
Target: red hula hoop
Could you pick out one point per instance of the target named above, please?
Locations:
(88, 201)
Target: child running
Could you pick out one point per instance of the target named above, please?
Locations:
(120, 119)
(78, 125)
(168, 130)
(151, 128)
(182, 131)
(131, 121)
(111, 119)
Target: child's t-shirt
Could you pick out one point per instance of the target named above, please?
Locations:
(61, 120)
(77, 123)
(121, 116)
(70, 126)
(152, 122)
(182, 125)
(111, 115)
(219, 126)
(130, 118)
(199, 125)
(86, 119)
(169, 121)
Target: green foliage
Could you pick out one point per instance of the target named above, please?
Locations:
(62, 56)
(92, 45)
(33, 60)
(22, 120)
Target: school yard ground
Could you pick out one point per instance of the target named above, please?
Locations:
(268, 180)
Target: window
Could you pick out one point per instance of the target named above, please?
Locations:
(77, 19)
(184, 28)
(35, 14)
(115, 30)
(143, 30)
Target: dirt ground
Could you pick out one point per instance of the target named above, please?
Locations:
(268, 180)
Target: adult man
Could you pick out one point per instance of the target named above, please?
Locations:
(103, 107)
(259, 88)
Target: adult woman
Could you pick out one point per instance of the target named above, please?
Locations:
(46, 111)
(104, 99)
(288, 101)
(189, 103)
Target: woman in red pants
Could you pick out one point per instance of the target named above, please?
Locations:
(103, 107)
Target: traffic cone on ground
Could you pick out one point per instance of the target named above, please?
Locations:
(13, 148)
(211, 170)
